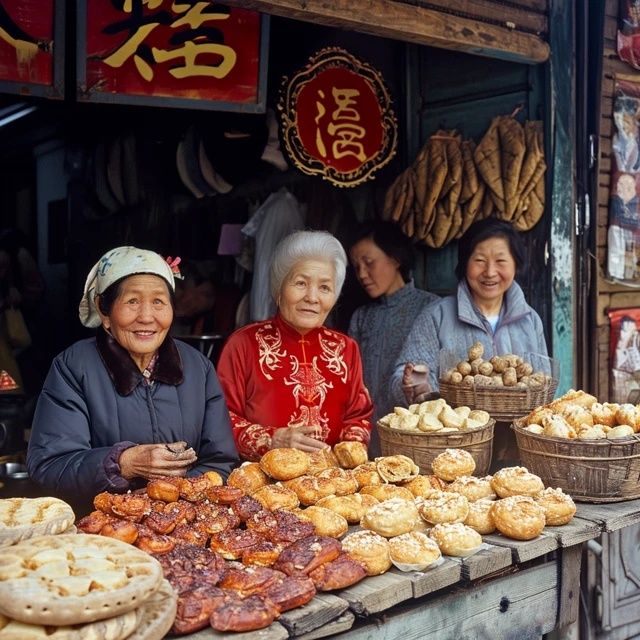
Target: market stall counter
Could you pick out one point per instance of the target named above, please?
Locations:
(510, 588)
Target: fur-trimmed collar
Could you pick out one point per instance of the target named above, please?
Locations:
(123, 370)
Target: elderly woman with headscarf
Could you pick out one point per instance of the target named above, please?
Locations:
(290, 381)
(131, 403)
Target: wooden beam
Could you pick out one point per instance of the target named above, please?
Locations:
(409, 23)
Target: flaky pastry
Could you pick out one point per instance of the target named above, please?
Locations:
(424, 486)
(370, 549)
(473, 488)
(559, 507)
(275, 496)
(387, 491)
(285, 463)
(321, 459)
(456, 539)
(351, 507)
(366, 474)
(310, 489)
(350, 454)
(453, 463)
(326, 521)
(413, 551)
(396, 468)
(519, 517)
(249, 477)
(391, 517)
(343, 480)
(479, 517)
(516, 481)
(444, 507)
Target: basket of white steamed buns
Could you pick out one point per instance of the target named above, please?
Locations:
(424, 430)
(507, 386)
(591, 449)
(451, 510)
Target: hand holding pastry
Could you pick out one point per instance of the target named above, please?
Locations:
(153, 460)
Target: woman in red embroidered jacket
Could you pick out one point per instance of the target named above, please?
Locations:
(290, 381)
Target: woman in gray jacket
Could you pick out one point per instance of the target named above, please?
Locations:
(489, 307)
(130, 404)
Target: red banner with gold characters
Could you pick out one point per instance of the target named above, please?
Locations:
(194, 51)
(337, 119)
(26, 41)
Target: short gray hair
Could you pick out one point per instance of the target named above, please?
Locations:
(307, 245)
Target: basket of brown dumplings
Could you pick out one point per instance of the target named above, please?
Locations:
(588, 448)
(507, 386)
(422, 431)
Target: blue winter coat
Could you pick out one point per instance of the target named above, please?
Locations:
(94, 398)
(454, 323)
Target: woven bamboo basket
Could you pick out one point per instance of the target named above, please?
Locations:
(503, 404)
(589, 471)
(422, 448)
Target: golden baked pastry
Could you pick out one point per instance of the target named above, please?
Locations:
(391, 517)
(396, 468)
(366, 474)
(621, 431)
(473, 488)
(597, 432)
(516, 481)
(456, 539)
(310, 489)
(538, 429)
(556, 426)
(370, 549)
(73, 579)
(387, 491)
(479, 517)
(326, 521)
(605, 413)
(628, 414)
(343, 480)
(577, 416)
(444, 507)
(535, 417)
(452, 463)
(424, 486)
(518, 517)
(479, 415)
(249, 477)
(413, 551)
(573, 397)
(351, 507)
(276, 496)
(321, 459)
(559, 507)
(350, 454)
(285, 463)
(22, 518)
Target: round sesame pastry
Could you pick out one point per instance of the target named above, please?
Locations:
(396, 468)
(387, 491)
(275, 496)
(456, 539)
(327, 522)
(479, 517)
(559, 507)
(444, 506)
(351, 507)
(413, 551)
(473, 488)
(391, 517)
(370, 549)
(518, 517)
(516, 481)
(285, 463)
(424, 486)
(367, 474)
(249, 477)
(453, 463)
(350, 454)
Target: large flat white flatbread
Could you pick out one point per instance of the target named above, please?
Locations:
(74, 578)
(158, 614)
(118, 628)
(23, 518)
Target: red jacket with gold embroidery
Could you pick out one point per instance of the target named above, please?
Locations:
(274, 377)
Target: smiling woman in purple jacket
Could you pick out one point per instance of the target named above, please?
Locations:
(130, 404)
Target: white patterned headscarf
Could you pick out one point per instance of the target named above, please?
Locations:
(116, 264)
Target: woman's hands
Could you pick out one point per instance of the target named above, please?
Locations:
(297, 438)
(415, 382)
(153, 460)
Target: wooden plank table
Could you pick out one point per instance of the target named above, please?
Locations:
(508, 589)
